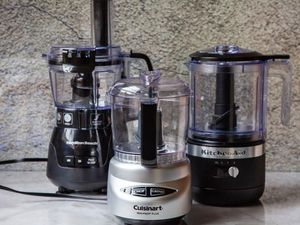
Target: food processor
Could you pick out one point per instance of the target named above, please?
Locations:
(149, 177)
(81, 75)
(227, 121)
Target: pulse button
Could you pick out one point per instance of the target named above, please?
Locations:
(157, 192)
(91, 161)
(86, 161)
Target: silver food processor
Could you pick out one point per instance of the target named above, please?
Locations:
(149, 179)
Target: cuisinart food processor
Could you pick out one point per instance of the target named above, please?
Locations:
(227, 117)
(81, 75)
(149, 175)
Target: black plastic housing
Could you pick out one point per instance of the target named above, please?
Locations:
(79, 143)
(212, 185)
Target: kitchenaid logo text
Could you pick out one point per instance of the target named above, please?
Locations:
(81, 143)
(147, 208)
(217, 153)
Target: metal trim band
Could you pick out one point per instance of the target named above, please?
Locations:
(227, 152)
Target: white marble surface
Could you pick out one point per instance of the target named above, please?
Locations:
(280, 205)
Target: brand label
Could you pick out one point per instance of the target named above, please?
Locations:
(218, 153)
(147, 210)
(226, 153)
(81, 143)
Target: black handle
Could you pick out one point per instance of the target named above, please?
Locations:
(148, 134)
(143, 56)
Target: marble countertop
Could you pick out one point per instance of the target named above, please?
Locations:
(280, 205)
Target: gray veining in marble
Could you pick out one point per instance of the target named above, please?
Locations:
(168, 30)
(280, 205)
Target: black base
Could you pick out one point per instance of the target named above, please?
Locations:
(75, 179)
(63, 190)
(228, 197)
(173, 221)
(213, 185)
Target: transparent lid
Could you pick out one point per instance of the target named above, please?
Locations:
(107, 53)
(231, 53)
(138, 87)
(149, 119)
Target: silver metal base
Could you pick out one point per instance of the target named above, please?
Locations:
(126, 195)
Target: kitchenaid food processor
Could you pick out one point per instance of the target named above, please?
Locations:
(149, 175)
(227, 121)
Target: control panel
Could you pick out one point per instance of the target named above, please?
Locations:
(82, 119)
(149, 191)
(80, 161)
(225, 169)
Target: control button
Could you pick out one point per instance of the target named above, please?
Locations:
(91, 161)
(233, 171)
(68, 118)
(157, 192)
(139, 191)
(69, 161)
(86, 161)
(79, 162)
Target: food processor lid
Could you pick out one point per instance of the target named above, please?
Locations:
(232, 53)
(55, 55)
(81, 55)
(164, 87)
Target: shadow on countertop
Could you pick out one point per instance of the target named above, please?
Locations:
(246, 215)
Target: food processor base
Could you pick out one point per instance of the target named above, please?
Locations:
(219, 197)
(142, 195)
(74, 179)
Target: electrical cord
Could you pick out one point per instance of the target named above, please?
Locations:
(41, 194)
(55, 195)
(11, 161)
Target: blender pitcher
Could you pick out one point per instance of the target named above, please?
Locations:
(227, 121)
(149, 175)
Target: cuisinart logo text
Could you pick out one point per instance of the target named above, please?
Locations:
(217, 153)
(147, 208)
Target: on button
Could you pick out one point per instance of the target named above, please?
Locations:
(69, 161)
